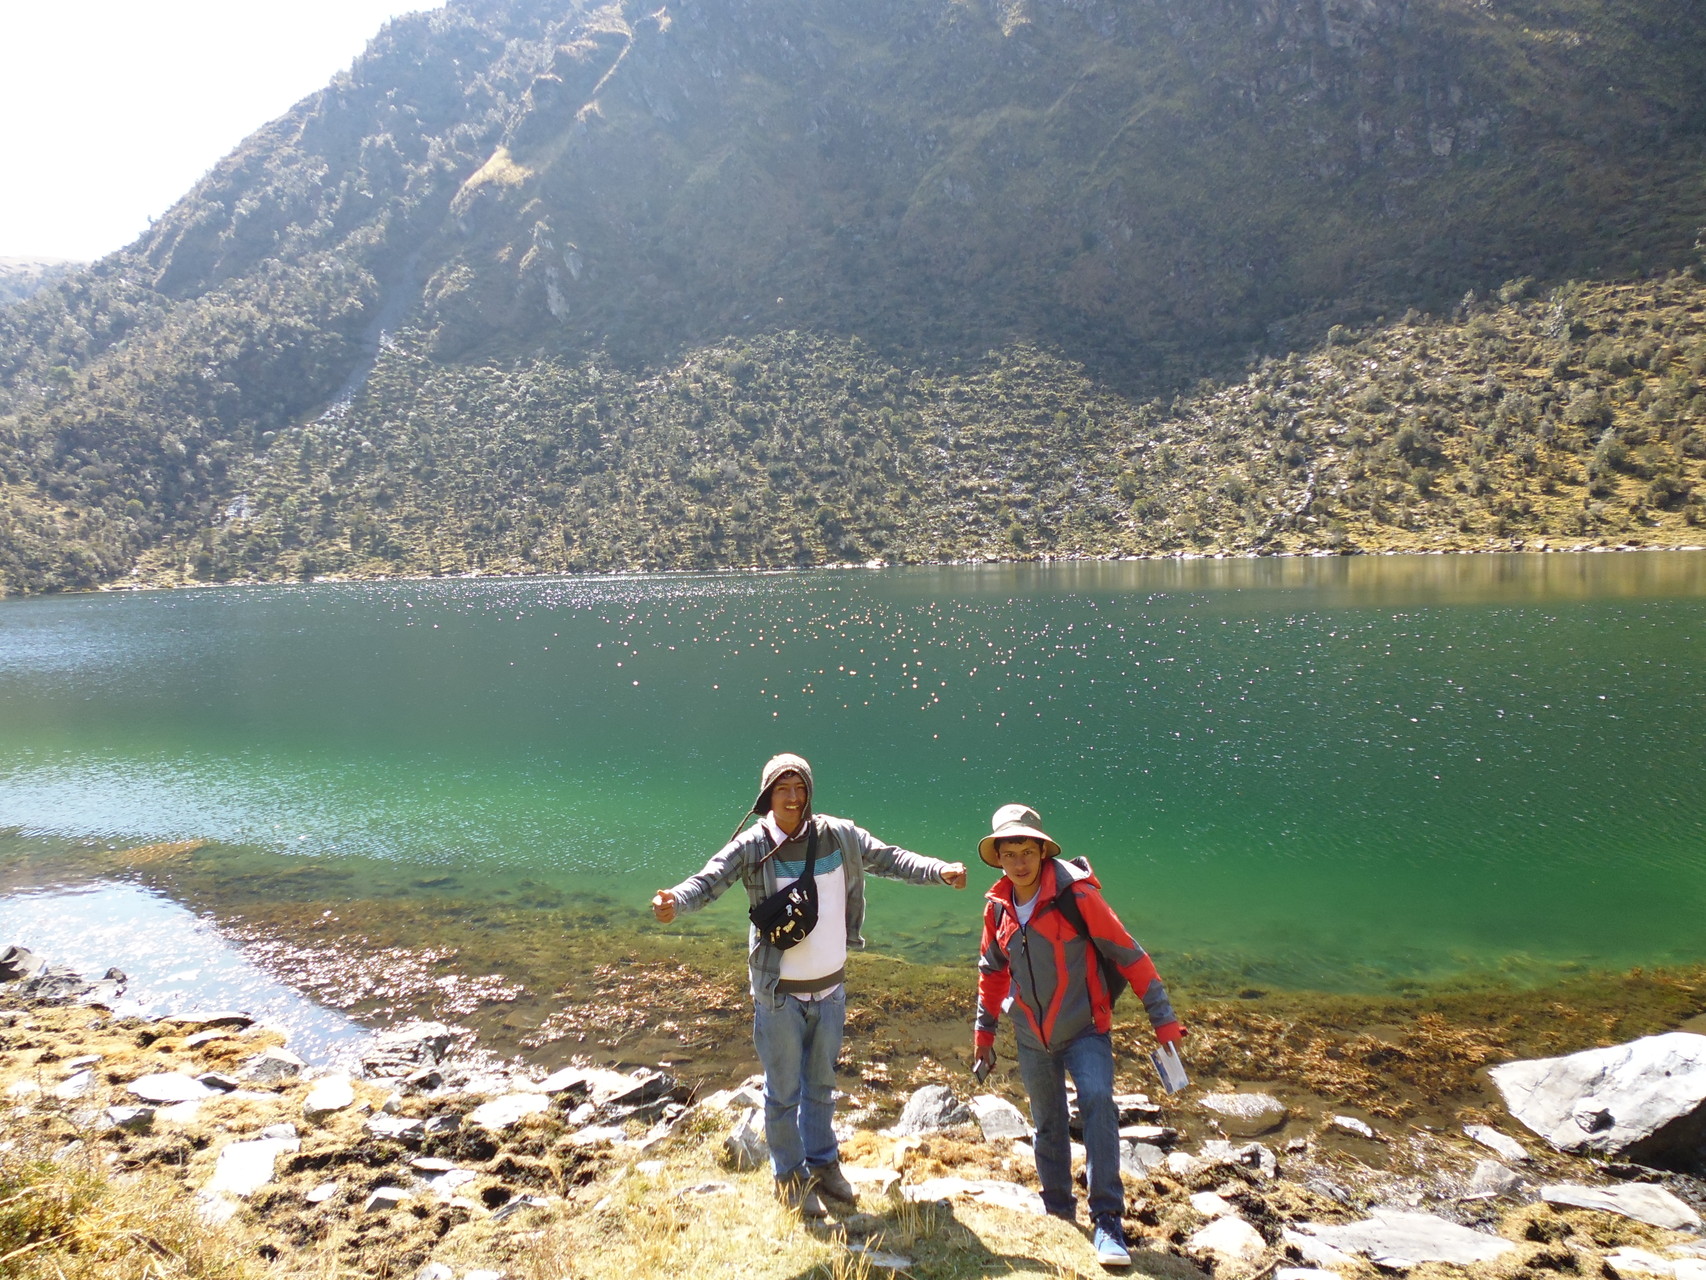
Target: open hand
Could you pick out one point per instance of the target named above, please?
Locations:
(663, 906)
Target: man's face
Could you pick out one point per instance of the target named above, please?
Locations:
(1021, 860)
(788, 801)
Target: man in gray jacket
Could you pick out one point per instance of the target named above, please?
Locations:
(799, 1002)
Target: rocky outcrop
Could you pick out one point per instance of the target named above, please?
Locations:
(26, 976)
(1643, 1101)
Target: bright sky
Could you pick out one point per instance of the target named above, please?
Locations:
(112, 109)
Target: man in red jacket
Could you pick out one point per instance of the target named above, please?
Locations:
(1062, 1010)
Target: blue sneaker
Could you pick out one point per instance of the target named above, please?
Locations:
(1110, 1243)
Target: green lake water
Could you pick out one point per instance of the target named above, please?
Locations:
(1353, 774)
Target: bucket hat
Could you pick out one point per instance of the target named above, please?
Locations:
(1015, 822)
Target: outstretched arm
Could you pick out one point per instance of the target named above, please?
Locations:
(695, 891)
(902, 864)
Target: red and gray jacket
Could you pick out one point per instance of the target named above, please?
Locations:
(1060, 992)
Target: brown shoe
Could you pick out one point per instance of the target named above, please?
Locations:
(796, 1192)
(830, 1183)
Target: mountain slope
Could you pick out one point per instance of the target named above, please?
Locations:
(1114, 198)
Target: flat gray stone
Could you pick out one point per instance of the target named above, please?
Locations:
(1350, 1124)
(1644, 1101)
(1317, 1253)
(397, 1128)
(931, 1108)
(244, 1168)
(384, 1198)
(1498, 1143)
(519, 1204)
(1638, 1200)
(76, 1085)
(1493, 1179)
(192, 1022)
(170, 1086)
(207, 1037)
(1228, 1240)
(217, 1082)
(998, 1118)
(73, 1065)
(272, 1065)
(745, 1146)
(509, 1110)
(132, 1118)
(881, 1259)
(328, 1096)
(1391, 1238)
(435, 1271)
(322, 1193)
(1245, 1115)
(1139, 1159)
(1008, 1195)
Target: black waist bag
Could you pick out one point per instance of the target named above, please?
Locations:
(786, 917)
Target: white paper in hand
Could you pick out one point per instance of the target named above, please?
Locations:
(1169, 1068)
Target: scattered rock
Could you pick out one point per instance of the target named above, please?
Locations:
(29, 977)
(705, 1189)
(170, 1086)
(1139, 1159)
(1392, 1238)
(1156, 1134)
(189, 1023)
(322, 1193)
(1638, 1200)
(76, 1085)
(1496, 1142)
(328, 1096)
(1493, 1179)
(403, 1050)
(509, 1110)
(879, 1258)
(519, 1204)
(1136, 1108)
(745, 1147)
(1211, 1205)
(244, 1168)
(435, 1271)
(1318, 1253)
(384, 1198)
(883, 1181)
(931, 1108)
(214, 1082)
(1245, 1115)
(1644, 1101)
(272, 1065)
(1350, 1124)
(74, 1065)
(285, 1130)
(201, 1038)
(998, 1118)
(1009, 1195)
(1228, 1241)
(396, 1128)
(135, 1119)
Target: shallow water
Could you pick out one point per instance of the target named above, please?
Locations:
(174, 961)
(1355, 774)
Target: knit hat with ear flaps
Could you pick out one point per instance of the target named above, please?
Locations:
(1015, 822)
(774, 768)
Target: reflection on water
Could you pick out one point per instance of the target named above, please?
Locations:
(175, 962)
(1348, 772)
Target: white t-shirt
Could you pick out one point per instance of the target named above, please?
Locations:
(824, 949)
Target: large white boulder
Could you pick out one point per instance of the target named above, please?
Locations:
(1643, 1101)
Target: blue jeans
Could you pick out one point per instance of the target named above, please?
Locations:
(1090, 1059)
(798, 1042)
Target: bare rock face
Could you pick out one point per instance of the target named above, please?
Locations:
(1643, 1101)
(1399, 1241)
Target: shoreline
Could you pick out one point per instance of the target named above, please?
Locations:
(1515, 546)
